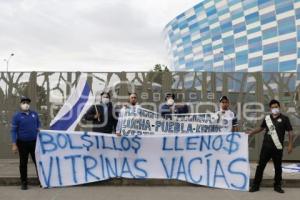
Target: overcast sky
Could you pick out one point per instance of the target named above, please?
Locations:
(85, 35)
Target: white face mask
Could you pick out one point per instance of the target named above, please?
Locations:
(25, 106)
(105, 100)
(170, 102)
(275, 111)
(222, 110)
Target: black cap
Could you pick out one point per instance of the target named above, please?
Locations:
(224, 98)
(24, 98)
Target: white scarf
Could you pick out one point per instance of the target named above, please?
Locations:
(272, 131)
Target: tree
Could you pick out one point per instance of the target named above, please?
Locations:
(23, 89)
(156, 74)
(158, 68)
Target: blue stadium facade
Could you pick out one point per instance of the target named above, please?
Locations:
(236, 35)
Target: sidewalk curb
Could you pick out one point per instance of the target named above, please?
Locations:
(14, 181)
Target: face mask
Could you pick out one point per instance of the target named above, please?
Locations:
(105, 100)
(222, 110)
(170, 102)
(275, 111)
(25, 106)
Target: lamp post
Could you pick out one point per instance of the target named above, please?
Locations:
(7, 64)
(7, 60)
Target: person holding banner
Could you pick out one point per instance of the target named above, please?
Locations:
(169, 107)
(102, 115)
(226, 116)
(132, 107)
(24, 131)
(275, 125)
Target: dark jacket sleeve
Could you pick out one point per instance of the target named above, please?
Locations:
(182, 109)
(264, 124)
(165, 110)
(14, 128)
(115, 123)
(114, 116)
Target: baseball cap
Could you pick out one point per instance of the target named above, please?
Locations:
(224, 98)
(24, 98)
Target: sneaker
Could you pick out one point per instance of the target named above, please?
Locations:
(278, 189)
(24, 186)
(254, 188)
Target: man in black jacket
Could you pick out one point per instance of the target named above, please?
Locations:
(102, 115)
(169, 107)
(275, 125)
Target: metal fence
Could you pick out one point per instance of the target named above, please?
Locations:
(249, 93)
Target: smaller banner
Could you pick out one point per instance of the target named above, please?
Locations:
(146, 122)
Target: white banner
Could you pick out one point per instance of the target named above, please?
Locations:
(292, 168)
(216, 160)
(145, 122)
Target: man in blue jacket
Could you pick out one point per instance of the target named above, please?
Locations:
(25, 127)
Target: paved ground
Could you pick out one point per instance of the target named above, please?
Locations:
(10, 168)
(129, 190)
(141, 193)
(9, 175)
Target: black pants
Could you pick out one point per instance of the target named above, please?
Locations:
(25, 148)
(266, 154)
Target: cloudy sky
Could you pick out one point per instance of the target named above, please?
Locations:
(85, 35)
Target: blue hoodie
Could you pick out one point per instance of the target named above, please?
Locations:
(25, 126)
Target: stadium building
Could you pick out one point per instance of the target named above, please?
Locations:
(236, 35)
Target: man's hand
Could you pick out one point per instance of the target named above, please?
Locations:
(235, 129)
(14, 148)
(118, 134)
(255, 131)
(290, 148)
(249, 132)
